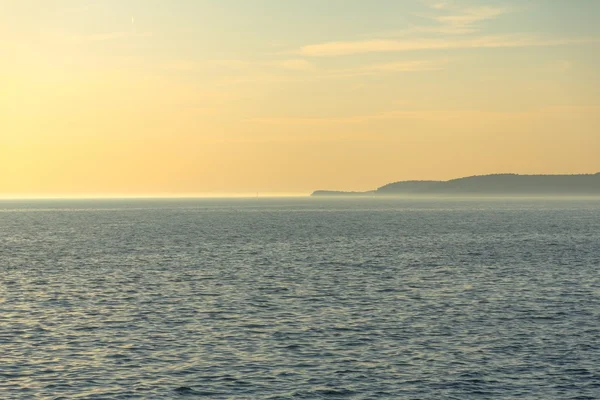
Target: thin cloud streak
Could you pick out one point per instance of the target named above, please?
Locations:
(471, 16)
(180, 65)
(430, 115)
(463, 21)
(453, 29)
(295, 64)
(99, 37)
(310, 72)
(351, 120)
(390, 67)
(406, 66)
(344, 48)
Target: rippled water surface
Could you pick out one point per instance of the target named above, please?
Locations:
(300, 299)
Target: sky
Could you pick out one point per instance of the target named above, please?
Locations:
(201, 97)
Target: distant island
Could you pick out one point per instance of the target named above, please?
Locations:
(488, 185)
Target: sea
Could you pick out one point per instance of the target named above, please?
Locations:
(300, 298)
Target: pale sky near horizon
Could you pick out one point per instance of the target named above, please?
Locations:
(179, 97)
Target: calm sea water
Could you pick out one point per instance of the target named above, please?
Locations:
(300, 299)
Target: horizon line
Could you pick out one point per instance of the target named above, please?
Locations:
(155, 196)
(237, 195)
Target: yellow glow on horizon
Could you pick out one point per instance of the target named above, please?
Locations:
(157, 196)
(173, 110)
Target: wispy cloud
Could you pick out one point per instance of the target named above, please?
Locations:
(451, 27)
(180, 65)
(439, 5)
(448, 19)
(100, 37)
(390, 67)
(249, 72)
(431, 115)
(347, 120)
(560, 66)
(295, 64)
(62, 38)
(406, 66)
(342, 48)
(233, 64)
(466, 20)
(72, 10)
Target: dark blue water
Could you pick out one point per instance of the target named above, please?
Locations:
(300, 299)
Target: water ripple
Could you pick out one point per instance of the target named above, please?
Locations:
(286, 299)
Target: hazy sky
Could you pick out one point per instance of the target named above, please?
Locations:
(229, 96)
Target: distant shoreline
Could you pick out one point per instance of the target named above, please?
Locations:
(505, 185)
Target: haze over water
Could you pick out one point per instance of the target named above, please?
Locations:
(300, 298)
(365, 297)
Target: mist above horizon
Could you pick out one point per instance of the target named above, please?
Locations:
(196, 98)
